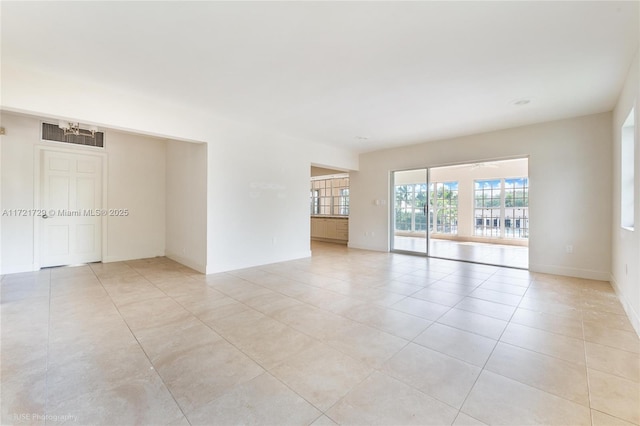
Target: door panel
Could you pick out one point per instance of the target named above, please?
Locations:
(85, 193)
(85, 238)
(84, 166)
(59, 164)
(58, 197)
(71, 186)
(409, 211)
(60, 235)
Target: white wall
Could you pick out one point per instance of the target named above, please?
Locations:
(186, 237)
(1, 138)
(136, 181)
(245, 165)
(136, 170)
(569, 172)
(252, 194)
(258, 201)
(47, 94)
(625, 252)
(17, 180)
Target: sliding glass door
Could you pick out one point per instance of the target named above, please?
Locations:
(477, 212)
(410, 224)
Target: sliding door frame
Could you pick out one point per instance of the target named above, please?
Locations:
(392, 213)
(392, 206)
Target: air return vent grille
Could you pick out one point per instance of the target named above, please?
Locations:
(51, 132)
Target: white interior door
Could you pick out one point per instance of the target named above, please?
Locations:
(71, 196)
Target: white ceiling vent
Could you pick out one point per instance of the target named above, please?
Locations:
(72, 133)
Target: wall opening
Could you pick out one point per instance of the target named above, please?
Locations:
(475, 212)
(329, 206)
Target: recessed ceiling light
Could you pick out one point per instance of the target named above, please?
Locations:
(521, 102)
(362, 138)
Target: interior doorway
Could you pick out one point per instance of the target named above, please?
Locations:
(329, 205)
(477, 212)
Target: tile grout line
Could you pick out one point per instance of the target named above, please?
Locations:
(266, 370)
(586, 363)
(410, 341)
(483, 368)
(138, 342)
(374, 369)
(545, 355)
(46, 380)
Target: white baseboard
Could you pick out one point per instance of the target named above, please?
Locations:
(111, 259)
(363, 247)
(216, 269)
(124, 258)
(634, 317)
(187, 262)
(17, 269)
(570, 272)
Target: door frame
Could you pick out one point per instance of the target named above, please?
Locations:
(391, 223)
(37, 187)
(392, 213)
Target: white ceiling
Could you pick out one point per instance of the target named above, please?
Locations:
(396, 73)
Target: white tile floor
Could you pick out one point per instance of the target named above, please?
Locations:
(468, 251)
(345, 337)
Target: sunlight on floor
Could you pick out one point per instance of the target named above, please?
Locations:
(468, 251)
